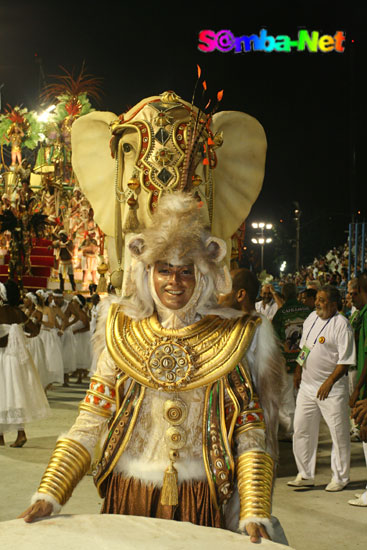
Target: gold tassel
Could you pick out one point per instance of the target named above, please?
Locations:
(102, 285)
(132, 222)
(169, 494)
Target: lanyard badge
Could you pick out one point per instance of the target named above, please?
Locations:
(303, 354)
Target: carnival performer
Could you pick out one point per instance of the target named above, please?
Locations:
(64, 319)
(16, 135)
(34, 341)
(89, 248)
(22, 398)
(65, 248)
(82, 337)
(189, 390)
(50, 340)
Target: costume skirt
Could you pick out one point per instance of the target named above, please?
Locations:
(52, 345)
(22, 398)
(37, 352)
(83, 347)
(130, 496)
(68, 349)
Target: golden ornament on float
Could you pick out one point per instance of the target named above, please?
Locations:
(133, 183)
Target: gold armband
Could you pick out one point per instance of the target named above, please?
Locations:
(255, 480)
(68, 464)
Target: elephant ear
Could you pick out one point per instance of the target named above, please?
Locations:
(94, 165)
(240, 170)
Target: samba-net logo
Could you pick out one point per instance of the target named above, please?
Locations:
(225, 41)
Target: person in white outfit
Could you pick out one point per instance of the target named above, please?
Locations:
(33, 340)
(327, 349)
(51, 341)
(22, 398)
(269, 304)
(63, 312)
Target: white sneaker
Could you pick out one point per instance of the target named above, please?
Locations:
(360, 501)
(300, 482)
(335, 486)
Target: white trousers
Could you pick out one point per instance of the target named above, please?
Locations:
(288, 405)
(335, 411)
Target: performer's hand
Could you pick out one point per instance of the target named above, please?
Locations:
(39, 509)
(363, 433)
(256, 531)
(353, 398)
(359, 413)
(324, 390)
(297, 377)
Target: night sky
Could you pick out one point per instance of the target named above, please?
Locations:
(311, 105)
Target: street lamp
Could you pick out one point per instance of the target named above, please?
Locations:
(297, 219)
(261, 238)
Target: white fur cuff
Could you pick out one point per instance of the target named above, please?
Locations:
(56, 507)
(260, 521)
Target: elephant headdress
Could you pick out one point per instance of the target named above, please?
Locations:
(162, 145)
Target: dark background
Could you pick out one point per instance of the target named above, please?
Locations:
(312, 105)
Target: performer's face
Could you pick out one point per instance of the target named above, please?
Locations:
(174, 285)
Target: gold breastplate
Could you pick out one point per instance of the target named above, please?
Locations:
(177, 359)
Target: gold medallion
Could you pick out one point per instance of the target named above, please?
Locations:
(175, 437)
(175, 412)
(169, 364)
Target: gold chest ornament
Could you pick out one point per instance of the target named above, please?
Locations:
(176, 360)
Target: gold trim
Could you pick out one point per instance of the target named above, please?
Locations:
(95, 410)
(243, 366)
(119, 383)
(236, 411)
(252, 426)
(125, 439)
(101, 396)
(101, 380)
(223, 427)
(205, 450)
(216, 346)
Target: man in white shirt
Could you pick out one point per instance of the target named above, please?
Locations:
(268, 305)
(327, 349)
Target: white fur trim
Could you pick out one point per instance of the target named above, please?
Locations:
(268, 374)
(153, 472)
(3, 294)
(56, 507)
(260, 521)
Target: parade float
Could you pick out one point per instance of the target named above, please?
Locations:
(40, 194)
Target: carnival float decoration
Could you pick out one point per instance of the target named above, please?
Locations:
(19, 128)
(55, 190)
(70, 97)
